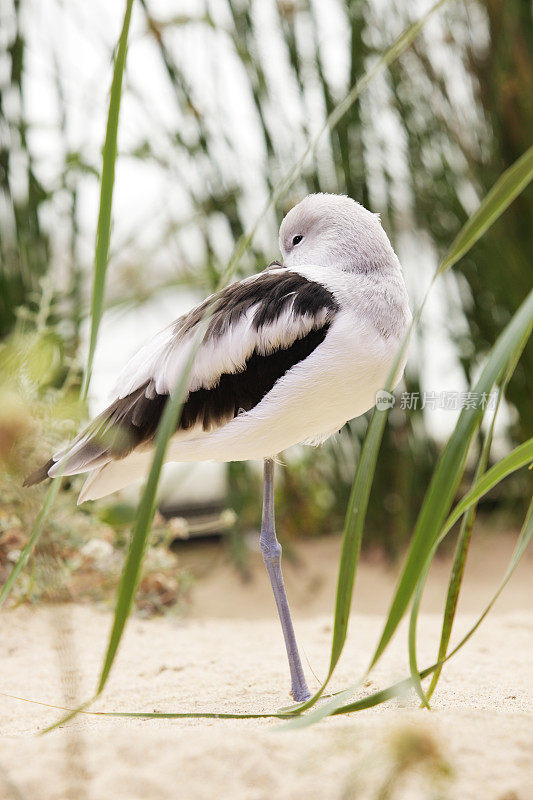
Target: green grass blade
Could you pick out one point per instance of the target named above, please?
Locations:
(351, 546)
(101, 255)
(458, 567)
(353, 532)
(520, 457)
(450, 467)
(83, 709)
(502, 194)
(463, 542)
(145, 513)
(103, 232)
(32, 541)
(399, 689)
(186, 715)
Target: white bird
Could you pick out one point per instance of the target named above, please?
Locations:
(289, 356)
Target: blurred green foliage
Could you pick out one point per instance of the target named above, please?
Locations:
(24, 249)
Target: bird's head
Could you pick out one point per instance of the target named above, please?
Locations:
(332, 230)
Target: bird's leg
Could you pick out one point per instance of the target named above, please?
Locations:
(271, 550)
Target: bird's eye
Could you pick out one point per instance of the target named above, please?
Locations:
(297, 239)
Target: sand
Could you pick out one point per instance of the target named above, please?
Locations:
(227, 655)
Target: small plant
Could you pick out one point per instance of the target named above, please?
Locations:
(79, 556)
(410, 762)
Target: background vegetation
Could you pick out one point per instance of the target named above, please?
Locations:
(421, 146)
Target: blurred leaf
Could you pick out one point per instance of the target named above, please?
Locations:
(118, 515)
(502, 194)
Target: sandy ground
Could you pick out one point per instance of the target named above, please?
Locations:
(227, 655)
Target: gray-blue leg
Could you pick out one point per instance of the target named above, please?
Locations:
(271, 550)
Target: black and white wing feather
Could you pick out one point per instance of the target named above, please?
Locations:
(258, 329)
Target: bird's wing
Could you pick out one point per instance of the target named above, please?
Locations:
(264, 313)
(258, 329)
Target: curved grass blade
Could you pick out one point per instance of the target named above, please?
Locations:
(463, 543)
(502, 194)
(519, 458)
(454, 587)
(457, 571)
(399, 689)
(145, 513)
(187, 715)
(103, 231)
(142, 714)
(353, 532)
(102, 247)
(351, 546)
(450, 467)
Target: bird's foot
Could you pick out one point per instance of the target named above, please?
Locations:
(300, 695)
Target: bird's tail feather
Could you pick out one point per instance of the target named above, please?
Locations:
(82, 457)
(115, 475)
(40, 474)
